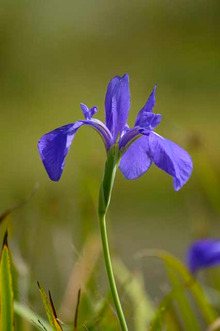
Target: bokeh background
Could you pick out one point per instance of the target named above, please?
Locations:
(56, 54)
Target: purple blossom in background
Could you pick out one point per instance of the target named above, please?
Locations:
(203, 254)
(139, 146)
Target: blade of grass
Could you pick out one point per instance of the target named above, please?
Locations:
(133, 285)
(208, 312)
(28, 315)
(171, 320)
(101, 310)
(6, 290)
(77, 310)
(50, 310)
(165, 315)
(186, 312)
(81, 273)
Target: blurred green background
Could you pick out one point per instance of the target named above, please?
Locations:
(56, 54)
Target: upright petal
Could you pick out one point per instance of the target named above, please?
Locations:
(88, 113)
(203, 254)
(171, 158)
(148, 107)
(117, 104)
(149, 120)
(135, 161)
(54, 146)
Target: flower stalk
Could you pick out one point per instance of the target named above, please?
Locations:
(104, 200)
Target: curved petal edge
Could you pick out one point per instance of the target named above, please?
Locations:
(53, 148)
(171, 158)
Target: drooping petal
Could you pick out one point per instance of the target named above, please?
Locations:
(203, 254)
(117, 104)
(135, 161)
(54, 146)
(171, 158)
(148, 107)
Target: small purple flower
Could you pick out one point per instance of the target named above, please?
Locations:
(138, 146)
(203, 254)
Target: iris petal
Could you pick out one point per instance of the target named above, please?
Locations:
(148, 107)
(135, 161)
(150, 121)
(171, 158)
(203, 253)
(128, 137)
(117, 104)
(88, 113)
(54, 146)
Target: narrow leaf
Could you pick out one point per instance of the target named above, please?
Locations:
(190, 282)
(77, 310)
(28, 315)
(143, 309)
(164, 306)
(50, 310)
(186, 311)
(6, 290)
(80, 275)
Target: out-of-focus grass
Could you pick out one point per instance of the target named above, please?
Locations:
(55, 55)
(175, 310)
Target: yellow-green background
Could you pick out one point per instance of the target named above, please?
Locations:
(56, 54)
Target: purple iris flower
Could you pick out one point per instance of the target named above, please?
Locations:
(203, 254)
(138, 146)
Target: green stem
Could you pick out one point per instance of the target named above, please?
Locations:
(104, 200)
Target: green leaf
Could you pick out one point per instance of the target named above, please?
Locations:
(164, 306)
(28, 315)
(50, 310)
(6, 290)
(81, 276)
(101, 311)
(185, 309)
(165, 317)
(171, 320)
(189, 282)
(143, 309)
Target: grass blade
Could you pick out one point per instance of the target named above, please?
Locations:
(164, 306)
(6, 290)
(189, 282)
(77, 310)
(81, 273)
(186, 311)
(143, 309)
(31, 317)
(50, 310)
